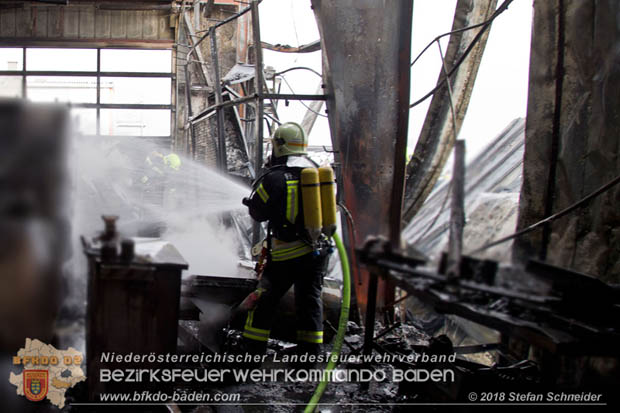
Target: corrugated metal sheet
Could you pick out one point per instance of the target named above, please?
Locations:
(82, 22)
(492, 185)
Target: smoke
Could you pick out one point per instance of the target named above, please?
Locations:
(190, 207)
(208, 246)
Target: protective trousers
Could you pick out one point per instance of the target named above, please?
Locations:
(306, 274)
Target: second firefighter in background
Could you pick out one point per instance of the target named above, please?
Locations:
(294, 257)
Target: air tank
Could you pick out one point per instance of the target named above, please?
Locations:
(328, 200)
(311, 195)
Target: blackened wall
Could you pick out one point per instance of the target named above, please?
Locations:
(572, 140)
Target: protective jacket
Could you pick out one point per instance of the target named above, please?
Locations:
(277, 200)
(291, 260)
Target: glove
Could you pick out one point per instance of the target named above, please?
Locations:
(246, 201)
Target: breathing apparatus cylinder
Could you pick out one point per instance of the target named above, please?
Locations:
(311, 195)
(328, 200)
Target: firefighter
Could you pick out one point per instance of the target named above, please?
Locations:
(292, 257)
(157, 165)
(156, 182)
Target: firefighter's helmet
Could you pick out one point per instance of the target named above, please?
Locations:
(289, 139)
(173, 161)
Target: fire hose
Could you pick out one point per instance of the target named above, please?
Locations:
(342, 327)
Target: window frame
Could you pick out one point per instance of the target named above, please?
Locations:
(98, 74)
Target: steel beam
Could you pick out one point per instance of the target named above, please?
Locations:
(439, 131)
(82, 74)
(221, 134)
(196, 50)
(366, 54)
(457, 213)
(215, 26)
(120, 106)
(286, 96)
(258, 82)
(207, 111)
(312, 112)
(86, 42)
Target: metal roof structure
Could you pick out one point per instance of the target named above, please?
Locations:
(492, 186)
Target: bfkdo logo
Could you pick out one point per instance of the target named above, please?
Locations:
(36, 384)
(47, 373)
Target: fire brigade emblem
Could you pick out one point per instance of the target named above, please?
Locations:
(35, 384)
